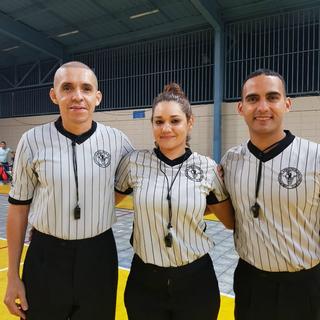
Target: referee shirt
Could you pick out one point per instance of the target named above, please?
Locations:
(285, 236)
(44, 177)
(150, 174)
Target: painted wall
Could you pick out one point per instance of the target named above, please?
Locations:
(303, 121)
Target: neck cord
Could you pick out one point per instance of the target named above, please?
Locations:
(255, 208)
(77, 210)
(168, 237)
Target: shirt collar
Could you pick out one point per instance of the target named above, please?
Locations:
(77, 138)
(173, 162)
(266, 156)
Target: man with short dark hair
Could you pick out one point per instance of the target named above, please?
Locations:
(274, 185)
(5, 153)
(63, 184)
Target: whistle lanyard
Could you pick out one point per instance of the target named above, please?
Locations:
(77, 210)
(168, 238)
(169, 189)
(255, 208)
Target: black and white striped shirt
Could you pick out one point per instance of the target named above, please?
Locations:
(285, 235)
(44, 177)
(196, 176)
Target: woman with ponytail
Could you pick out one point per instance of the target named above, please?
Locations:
(172, 276)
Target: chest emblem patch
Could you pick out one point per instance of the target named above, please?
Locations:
(194, 173)
(290, 178)
(102, 158)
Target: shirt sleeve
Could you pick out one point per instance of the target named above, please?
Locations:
(127, 146)
(218, 190)
(211, 198)
(223, 160)
(24, 177)
(122, 179)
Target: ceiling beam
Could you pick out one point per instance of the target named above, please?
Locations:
(30, 37)
(148, 33)
(264, 8)
(210, 11)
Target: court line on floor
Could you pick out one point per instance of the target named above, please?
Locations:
(6, 269)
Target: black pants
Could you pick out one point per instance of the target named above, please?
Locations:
(276, 295)
(189, 292)
(71, 279)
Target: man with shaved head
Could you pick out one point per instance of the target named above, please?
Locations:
(63, 185)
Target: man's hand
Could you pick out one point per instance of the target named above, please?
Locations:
(15, 298)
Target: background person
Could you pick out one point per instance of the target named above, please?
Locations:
(5, 155)
(172, 276)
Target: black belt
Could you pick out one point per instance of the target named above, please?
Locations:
(196, 265)
(46, 238)
(281, 275)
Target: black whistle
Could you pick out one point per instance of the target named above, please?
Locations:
(77, 212)
(168, 240)
(255, 210)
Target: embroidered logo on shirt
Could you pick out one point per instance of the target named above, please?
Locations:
(290, 178)
(194, 173)
(102, 158)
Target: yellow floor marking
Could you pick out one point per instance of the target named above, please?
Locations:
(4, 314)
(125, 203)
(226, 308)
(121, 313)
(211, 217)
(4, 188)
(4, 256)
